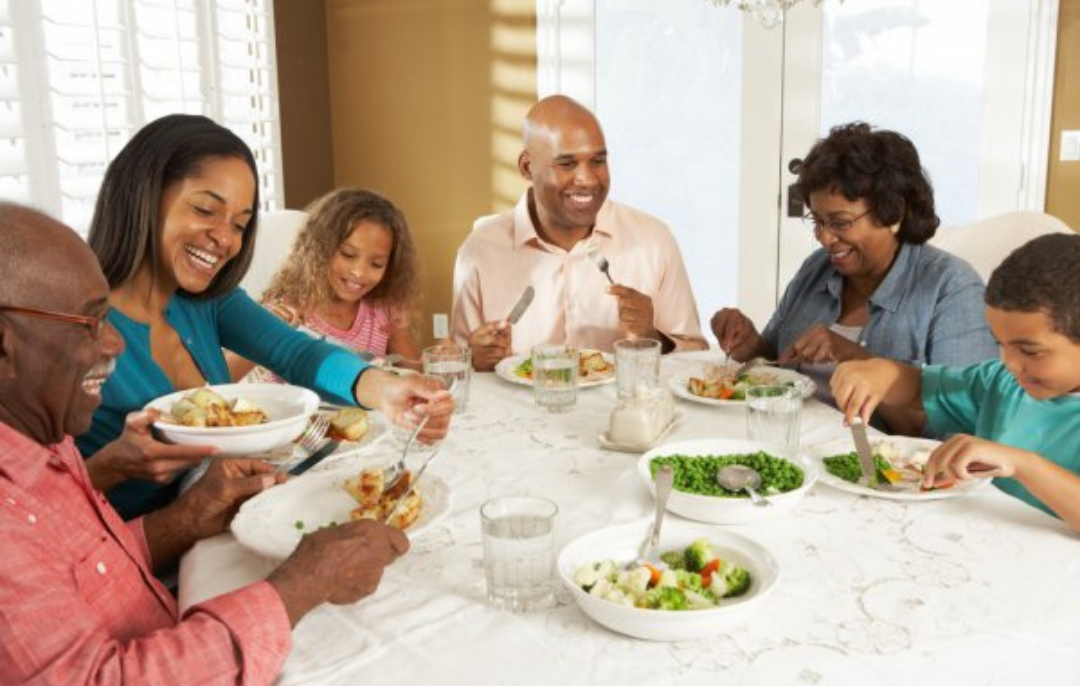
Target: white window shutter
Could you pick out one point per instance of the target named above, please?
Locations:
(77, 79)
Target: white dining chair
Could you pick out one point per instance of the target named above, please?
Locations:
(277, 231)
(986, 242)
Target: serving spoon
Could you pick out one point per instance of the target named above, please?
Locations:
(739, 477)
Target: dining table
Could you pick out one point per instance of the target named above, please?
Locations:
(982, 589)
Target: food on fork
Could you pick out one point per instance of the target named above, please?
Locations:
(348, 424)
(375, 502)
(205, 408)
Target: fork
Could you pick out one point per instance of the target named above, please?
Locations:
(602, 264)
(310, 440)
(393, 473)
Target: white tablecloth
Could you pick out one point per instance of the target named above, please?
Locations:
(975, 590)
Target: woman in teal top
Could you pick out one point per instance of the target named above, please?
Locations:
(1018, 416)
(174, 229)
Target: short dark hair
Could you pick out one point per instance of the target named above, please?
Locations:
(879, 165)
(126, 228)
(1041, 276)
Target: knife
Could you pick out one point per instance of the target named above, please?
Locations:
(522, 304)
(411, 488)
(316, 457)
(866, 456)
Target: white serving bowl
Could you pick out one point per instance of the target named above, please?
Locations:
(728, 510)
(621, 542)
(288, 409)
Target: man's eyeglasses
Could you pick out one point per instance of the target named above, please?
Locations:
(834, 225)
(95, 324)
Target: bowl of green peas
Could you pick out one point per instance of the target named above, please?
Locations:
(697, 495)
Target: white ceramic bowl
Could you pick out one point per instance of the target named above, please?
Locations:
(288, 409)
(620, 543)
(733, 510)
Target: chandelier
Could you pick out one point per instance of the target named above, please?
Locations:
(769, 13)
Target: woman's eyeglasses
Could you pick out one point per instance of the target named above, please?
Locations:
(95, 324)
(834, 225)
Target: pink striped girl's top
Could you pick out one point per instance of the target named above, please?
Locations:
(369, 331)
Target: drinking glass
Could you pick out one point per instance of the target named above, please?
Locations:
(555, 371)
(519, 551)
(637, 363)
(451, 364)
(772, 416)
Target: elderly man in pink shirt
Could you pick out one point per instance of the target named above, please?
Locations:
(79, 603)
(548, 241)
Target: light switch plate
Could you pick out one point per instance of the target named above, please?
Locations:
(1070, 146)
(441, 324)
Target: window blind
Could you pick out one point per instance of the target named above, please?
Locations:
(78, 79)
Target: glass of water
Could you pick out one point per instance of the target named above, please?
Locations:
(451, 364)
(772, 416)
(555, 371)
(637, 363)
(519, 551)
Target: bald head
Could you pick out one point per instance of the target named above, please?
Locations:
(36, 252)
(553, 116)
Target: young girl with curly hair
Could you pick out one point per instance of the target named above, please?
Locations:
(351, 276)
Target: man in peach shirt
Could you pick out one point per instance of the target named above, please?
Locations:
(547, 241)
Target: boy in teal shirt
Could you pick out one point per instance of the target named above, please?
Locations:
(1016, 418)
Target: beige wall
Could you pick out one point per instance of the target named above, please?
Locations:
(1063, 182)
(306, 149)
(423, 96)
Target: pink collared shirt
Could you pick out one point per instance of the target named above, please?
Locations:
(79, 604)
(504, 254)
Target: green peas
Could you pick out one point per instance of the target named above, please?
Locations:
(697, 473)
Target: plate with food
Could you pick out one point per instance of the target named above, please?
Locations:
(717, 384)
(712, 581)
(696, 494)
(239, 419)
(899, 461)
(272, 523)
(594, 368)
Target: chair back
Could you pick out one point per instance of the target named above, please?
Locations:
(277, 231)
(985, 243)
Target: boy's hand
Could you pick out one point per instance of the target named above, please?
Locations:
(964, 457)
(860, 386)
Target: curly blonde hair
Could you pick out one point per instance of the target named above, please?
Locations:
(303, 282)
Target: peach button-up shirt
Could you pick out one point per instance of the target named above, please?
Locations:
(504, 254)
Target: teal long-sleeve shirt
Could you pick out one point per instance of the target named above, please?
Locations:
(233, 321)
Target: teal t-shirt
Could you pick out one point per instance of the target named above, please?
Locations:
(984, 400)
(232, 321)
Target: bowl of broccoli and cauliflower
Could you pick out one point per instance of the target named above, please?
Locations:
(706, 581)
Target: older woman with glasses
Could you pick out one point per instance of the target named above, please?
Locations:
(875, 289)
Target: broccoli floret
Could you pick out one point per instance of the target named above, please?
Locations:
(699, 554)
(730, 581)
(690, 581)
(666, 598)
(673, 559)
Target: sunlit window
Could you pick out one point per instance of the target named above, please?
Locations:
(78, 79)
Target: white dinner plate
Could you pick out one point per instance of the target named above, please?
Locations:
(273, 522)
(505, 370)
(679, 383)
(908, 447)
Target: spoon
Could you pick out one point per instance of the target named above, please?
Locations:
(738, 477)
(665, 479)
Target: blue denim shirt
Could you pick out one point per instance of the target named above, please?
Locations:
(928, 310)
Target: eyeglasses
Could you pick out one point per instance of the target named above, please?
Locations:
(835, 226)
(95, 324)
